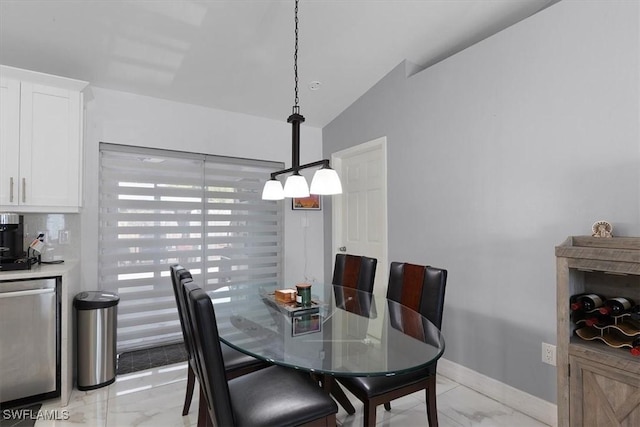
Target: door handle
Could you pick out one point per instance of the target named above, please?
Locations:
(342, 249)
(24, 190)
(11, 189)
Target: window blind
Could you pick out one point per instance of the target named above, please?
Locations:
(159, 208)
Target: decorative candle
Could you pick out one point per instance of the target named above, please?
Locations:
(304, 294)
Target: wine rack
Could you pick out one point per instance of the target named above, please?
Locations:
(620, 334)
(598, 377)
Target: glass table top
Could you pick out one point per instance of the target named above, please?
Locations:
(344, 333)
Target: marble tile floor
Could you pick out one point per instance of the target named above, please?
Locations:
(154, 397)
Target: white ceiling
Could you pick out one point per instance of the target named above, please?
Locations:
(238, 55)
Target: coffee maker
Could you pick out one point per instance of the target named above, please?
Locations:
(12, 254)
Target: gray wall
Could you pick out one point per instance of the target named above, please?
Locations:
(496, 155)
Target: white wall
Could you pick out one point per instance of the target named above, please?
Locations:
(495, 156)
(124, 118)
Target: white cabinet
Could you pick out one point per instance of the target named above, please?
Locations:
(40, 142)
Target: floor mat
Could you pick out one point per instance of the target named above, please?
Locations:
(147, 358)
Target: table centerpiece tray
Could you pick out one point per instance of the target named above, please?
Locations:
(291, 307)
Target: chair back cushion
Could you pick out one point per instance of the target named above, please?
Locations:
(180, 274)
(355, 271)
(211, 370)
(421, 288)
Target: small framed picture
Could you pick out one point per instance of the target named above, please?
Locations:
(311, 203)
(306, 324)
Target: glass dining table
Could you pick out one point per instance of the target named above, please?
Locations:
(344, 332)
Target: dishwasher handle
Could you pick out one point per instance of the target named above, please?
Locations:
(27, 292)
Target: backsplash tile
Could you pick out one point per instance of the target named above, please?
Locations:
(62, 241)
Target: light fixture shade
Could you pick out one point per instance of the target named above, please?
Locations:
(272, 190)
(296, 186)
(326, 181)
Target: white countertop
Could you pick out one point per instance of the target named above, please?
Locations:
(38, 271)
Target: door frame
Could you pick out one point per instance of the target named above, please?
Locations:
(336, 206)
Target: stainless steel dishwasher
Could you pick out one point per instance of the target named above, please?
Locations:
(29, 340)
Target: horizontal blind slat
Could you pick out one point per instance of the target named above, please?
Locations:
(109, 275)
(158, 216)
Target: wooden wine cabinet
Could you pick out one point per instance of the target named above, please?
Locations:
(597, 385)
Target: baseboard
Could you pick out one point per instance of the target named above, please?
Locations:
(533, 406)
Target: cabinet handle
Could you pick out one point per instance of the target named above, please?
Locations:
(27, 292)
(10, 189)
(24, 190)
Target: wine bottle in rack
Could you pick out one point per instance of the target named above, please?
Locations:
(599, 321)
(635, 346)
(573, 302)
(587, 302)
(616, 306)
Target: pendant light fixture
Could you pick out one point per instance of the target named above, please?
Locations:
(325, 181)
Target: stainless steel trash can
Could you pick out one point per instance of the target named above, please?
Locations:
(96, 325)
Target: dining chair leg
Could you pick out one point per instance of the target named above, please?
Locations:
(331, 386)
(432, 410)
(204, 420)
(387, 406)
(191, 381)
(369, 415)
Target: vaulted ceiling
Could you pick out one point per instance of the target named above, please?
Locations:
(238, 55)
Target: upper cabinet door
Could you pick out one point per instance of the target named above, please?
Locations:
(50, 135)
(9, 140)
(40, 142)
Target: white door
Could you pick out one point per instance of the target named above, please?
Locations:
(360, 212)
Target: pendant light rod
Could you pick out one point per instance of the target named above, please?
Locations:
(296, 109)
(295, 119)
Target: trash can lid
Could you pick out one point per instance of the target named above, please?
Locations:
(95, 299)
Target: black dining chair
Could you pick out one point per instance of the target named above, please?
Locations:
(421, 289)
(236, 363)
(352, 273)
(274, 396)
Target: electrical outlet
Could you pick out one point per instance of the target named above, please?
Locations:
(549, 354)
